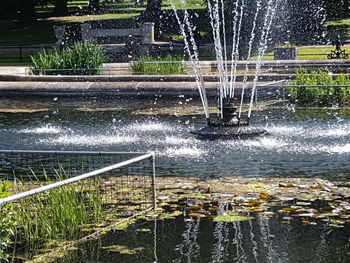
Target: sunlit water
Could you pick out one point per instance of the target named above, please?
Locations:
(312, 142)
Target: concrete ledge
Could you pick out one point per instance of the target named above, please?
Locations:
(120, 88)
(136, 78)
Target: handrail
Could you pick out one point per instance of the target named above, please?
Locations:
(70, 152)
(15, 197)
(271, 83)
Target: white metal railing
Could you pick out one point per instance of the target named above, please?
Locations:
(84, 176)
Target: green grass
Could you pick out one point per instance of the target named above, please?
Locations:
(304, 53)
(121, 14)
(191, 4)
(339, 22)
(41, 32)
(339, 27)
(159, 66)
(59, 213)
(73, 7)
(309, 53)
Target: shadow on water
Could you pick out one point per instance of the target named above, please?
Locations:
(258, 240)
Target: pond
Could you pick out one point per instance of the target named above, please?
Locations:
(302, 142)
(311, 142)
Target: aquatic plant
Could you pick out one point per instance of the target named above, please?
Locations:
(158, 66)
(82, 59)
(319, 95)
(59, 213)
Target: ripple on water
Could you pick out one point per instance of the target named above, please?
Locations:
(90, 140)
(173, 140)
(44, 129)
(268, 143)
(337, 149)
(336, 131)
(330, 131)
(149, 127)
(193, 152)
(286, 130)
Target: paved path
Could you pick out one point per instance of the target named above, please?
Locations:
(12, 70)
(210, 66)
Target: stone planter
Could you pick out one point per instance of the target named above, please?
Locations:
(285, 53)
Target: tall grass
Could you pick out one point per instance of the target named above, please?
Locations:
(81, 59)
(319, 95)
(159, 66)
(59, 213)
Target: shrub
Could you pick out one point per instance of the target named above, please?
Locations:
(319, 95)
(81, 59)
(7, 223)
(158, 66)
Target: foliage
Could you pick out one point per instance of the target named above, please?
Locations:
(337, 8)
(7, 223)
(59, 213)
(319, 95)
(82, 59)
(159, 66)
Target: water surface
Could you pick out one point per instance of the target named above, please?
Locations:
(259, 240)
(302, 142)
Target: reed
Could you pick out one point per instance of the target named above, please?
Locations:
(59, 213)
(159, 66)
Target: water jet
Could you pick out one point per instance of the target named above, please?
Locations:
(230, 124)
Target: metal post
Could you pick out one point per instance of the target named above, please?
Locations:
(284, 91)
(154, 194)
(20, 53)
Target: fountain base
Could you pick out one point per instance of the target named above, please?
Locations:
(228, 133)
(229, 127)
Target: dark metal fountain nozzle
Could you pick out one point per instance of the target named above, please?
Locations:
(229, 116)
(229, 113)
(208, 121)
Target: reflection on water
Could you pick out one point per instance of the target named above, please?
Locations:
(259, 240)
(302, 142)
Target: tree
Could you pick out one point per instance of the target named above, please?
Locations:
(61, 8)
(153, 11)
(337, 9)
(7, 8)
(94, 6)
(27, 10)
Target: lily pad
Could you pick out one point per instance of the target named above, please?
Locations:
(171, 215)
(124, 250)
(143, 230)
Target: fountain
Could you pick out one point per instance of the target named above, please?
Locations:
(229, 124)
